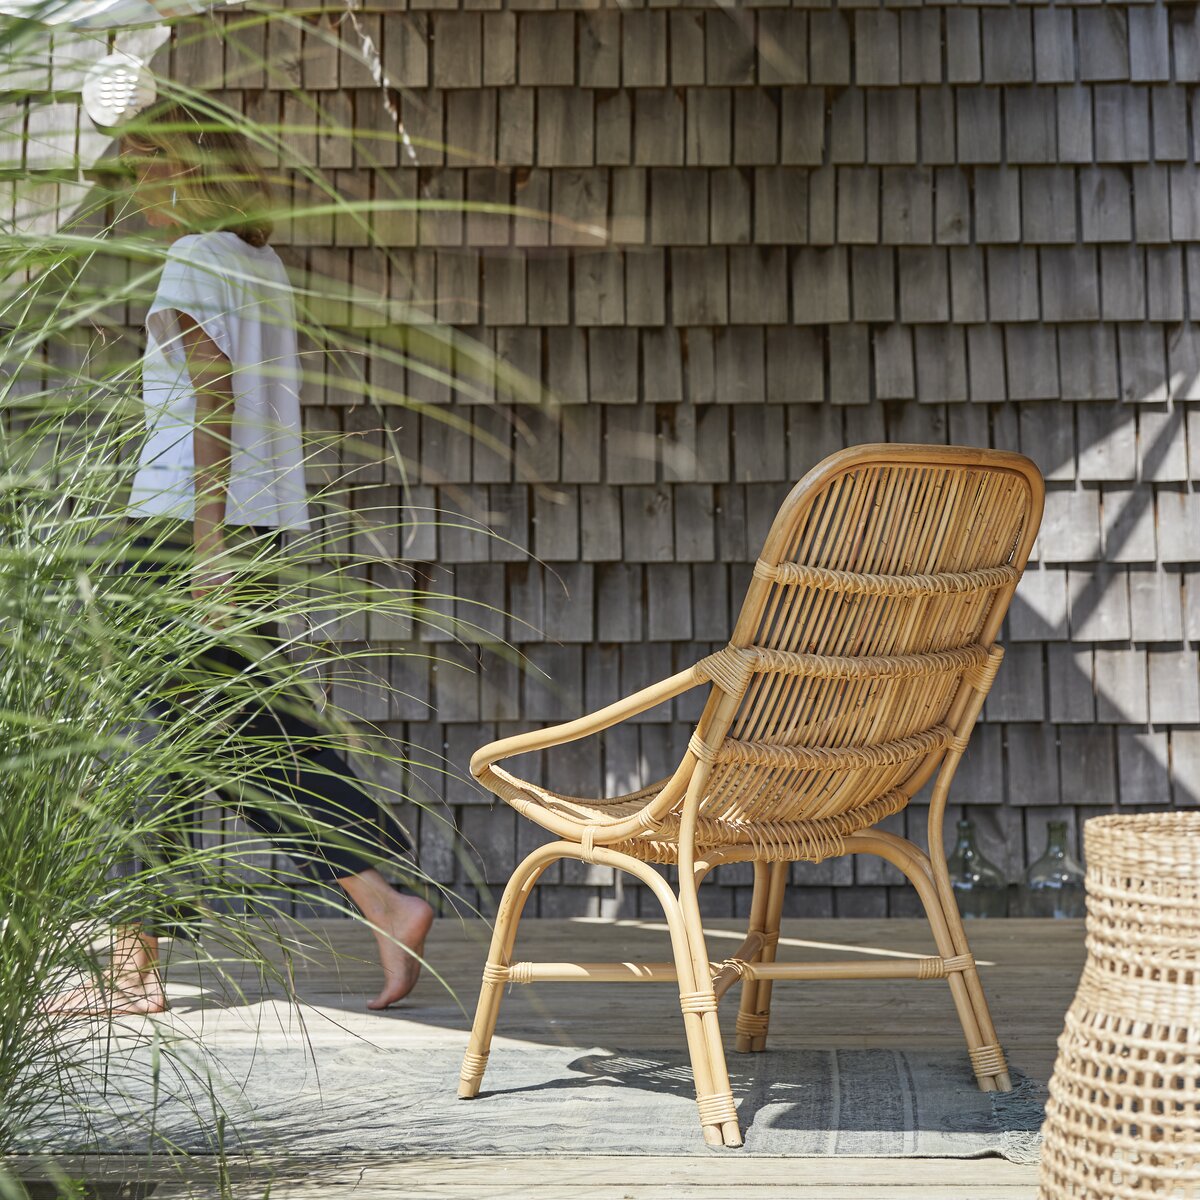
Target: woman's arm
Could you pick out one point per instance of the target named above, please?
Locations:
(212, 381)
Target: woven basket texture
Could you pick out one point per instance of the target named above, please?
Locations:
(1123, 1119)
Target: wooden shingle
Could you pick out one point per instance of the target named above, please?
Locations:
(515, 126)
(730, 202)
(1103, 43)
(1007, 35)
(1089, 770)
(1152, 219)
(1031, 362)
(907, 205)
(802, 126)
(599, 288)
(755, 127)
(678, 207)
(709, 137)
(1122, 123)
(565, 127)
(952, 207)
(471, 126)
(698, 286)
(1156, 612)
(1183, 365)
(1099, 607)
(499, 49)
(758, 285)
(997, 205)
(795, 366)
(820, 286)
(1178, 519)
(1087, 362)
(1048, 439)
(858, 205)
(687, 48)
(985, 358)
(849, 364)
(1039, 611)
(876, 45)
(924, 284)
(1072, 695)
(739, 365)
(829, 49)
(579, 202)
(1169, 123)
(1053, 45)
(1013, 283)
(780, 205)
(782, 43)
(658, 127)
(566, 364)
(964, 56)
(644, 49)
(645, 287)
(405, 48)
(1106, 203)
(1075, 141)
(892, 125)
(1030, 125)
(614, 129)
(941, 357)
(978, 125)
(613, 366)
(1143, 362)
(729, 51)
(1128, 524)
(1070, 283)
(895, 377)
(872, 273)
(457, 41)
(920, 46)
(599, 35)
(546, 43)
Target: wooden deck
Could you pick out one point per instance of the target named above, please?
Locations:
(1030, 970)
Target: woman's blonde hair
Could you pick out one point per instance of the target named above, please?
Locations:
(220, 184)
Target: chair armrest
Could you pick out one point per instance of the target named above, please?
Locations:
(581, 727)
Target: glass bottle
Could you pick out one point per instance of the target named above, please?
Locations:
(1053, 885)
(979, 885)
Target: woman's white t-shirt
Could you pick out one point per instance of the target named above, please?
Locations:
(240, 296)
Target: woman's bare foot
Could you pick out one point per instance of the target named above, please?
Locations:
(128, 996)
(131, 986)
(401, 925)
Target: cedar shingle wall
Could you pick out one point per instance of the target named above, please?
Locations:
(780, 230)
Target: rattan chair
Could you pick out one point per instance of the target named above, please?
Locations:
(857, 667)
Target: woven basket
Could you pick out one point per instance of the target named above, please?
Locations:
(1123, 1119)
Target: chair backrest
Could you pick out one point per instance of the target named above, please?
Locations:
(881, 586)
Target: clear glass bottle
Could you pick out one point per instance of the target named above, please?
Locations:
(1053, 885)
(979, 885)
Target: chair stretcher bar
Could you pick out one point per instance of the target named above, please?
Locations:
(728, 972)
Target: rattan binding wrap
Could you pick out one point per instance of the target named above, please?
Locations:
(1123, 1119)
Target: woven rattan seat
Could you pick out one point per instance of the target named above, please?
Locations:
(854, 674)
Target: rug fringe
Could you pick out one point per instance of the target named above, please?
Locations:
(1017, 1117)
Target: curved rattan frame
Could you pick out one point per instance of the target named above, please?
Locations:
(823, 796)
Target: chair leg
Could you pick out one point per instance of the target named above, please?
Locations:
(987, 1058)
(714, 1096)
(766, 911)
(504, 934)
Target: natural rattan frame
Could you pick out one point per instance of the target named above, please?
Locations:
(908, 650)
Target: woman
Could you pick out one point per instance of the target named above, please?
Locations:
(223, 454)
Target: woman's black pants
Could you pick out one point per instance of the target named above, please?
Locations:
(305, 790)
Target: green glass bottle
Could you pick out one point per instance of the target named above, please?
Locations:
(979, 885)
(1053, 885)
